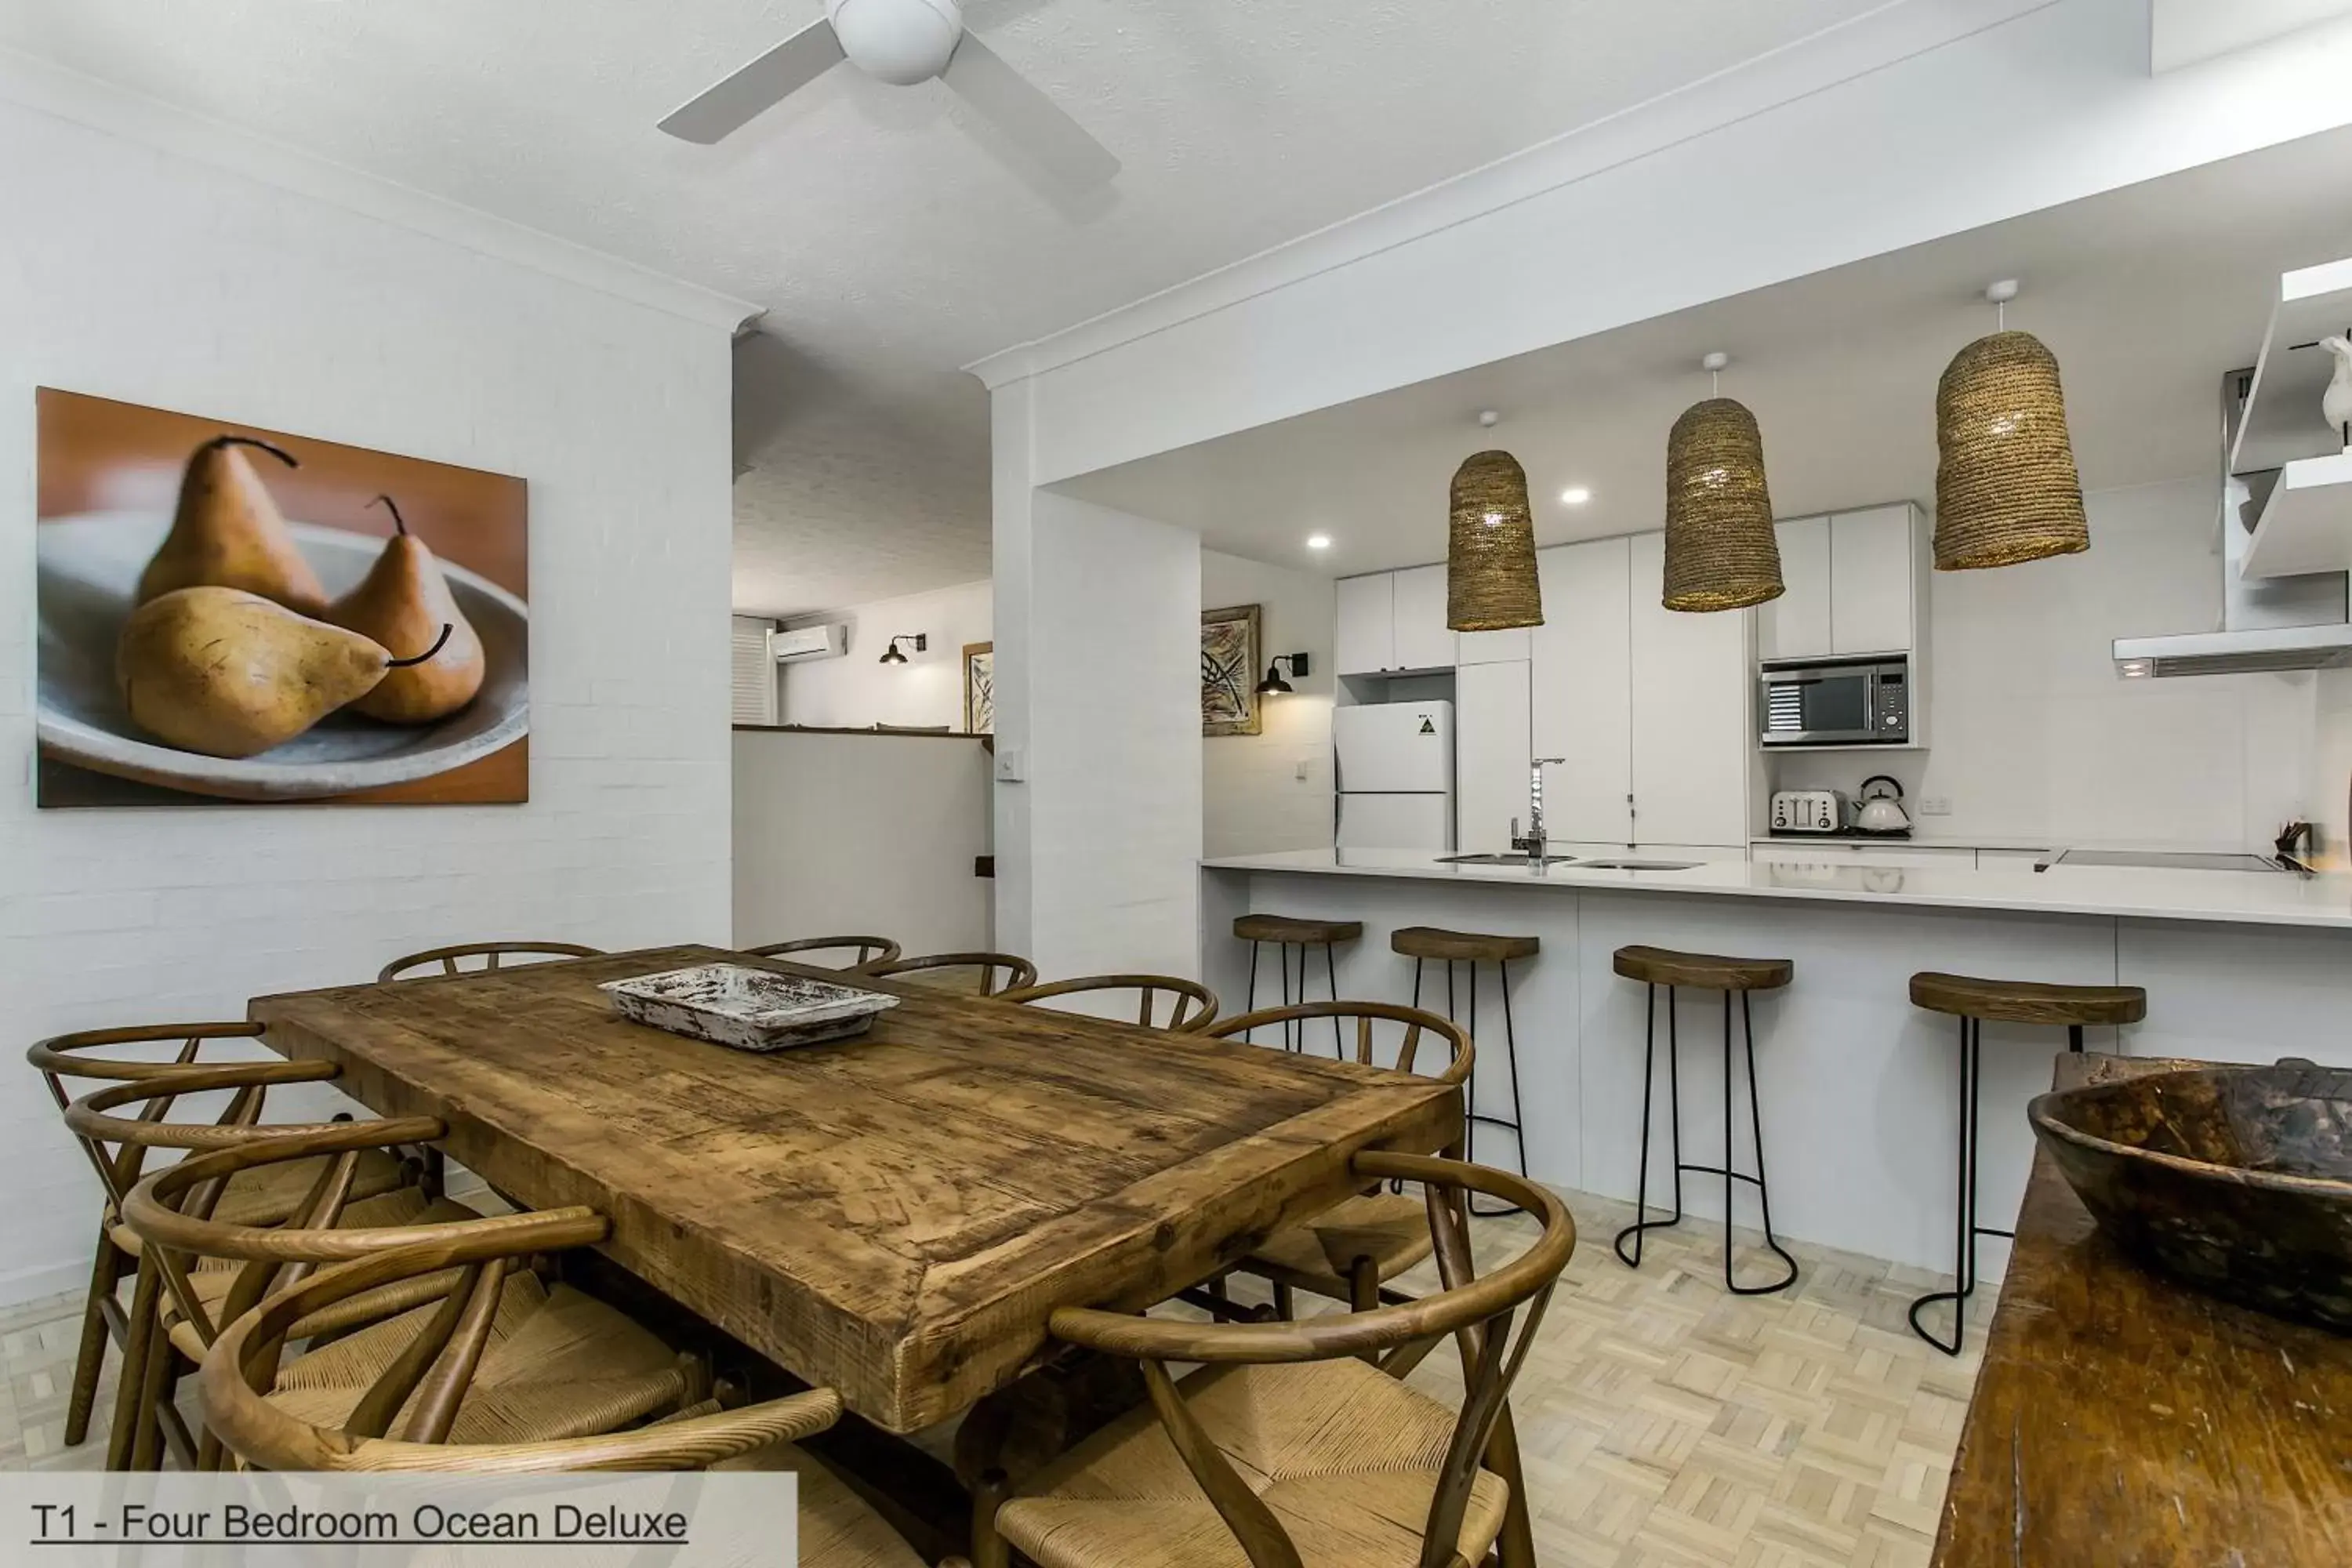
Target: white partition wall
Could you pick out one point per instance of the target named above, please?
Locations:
(1097, 728)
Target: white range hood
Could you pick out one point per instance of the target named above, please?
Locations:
(2268, 623)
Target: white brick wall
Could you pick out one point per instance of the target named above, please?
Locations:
(133, 274)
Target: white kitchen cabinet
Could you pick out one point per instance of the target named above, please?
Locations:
(1423, 641)
(1491, 750)
(1495, 648)
(1364, 634)
(1797, 624)
(1581, 683)
(1871, 580)
(1691, 736)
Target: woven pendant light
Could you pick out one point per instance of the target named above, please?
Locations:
(1721, 552)
(2006, 489)
(1490, 549)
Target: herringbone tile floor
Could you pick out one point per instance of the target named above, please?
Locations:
(1665, 1423)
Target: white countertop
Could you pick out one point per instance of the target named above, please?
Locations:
(2235, 898)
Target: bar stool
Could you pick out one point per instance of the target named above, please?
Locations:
(1424, 943)
(1656, 966)
(2004, 1002)
(1289, 932)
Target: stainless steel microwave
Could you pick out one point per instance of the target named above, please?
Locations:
(1862, 702)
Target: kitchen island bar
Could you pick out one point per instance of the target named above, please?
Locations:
(1858, 1089)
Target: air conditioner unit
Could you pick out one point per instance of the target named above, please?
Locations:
(809, 642)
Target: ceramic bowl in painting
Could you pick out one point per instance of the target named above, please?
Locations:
(90, 566)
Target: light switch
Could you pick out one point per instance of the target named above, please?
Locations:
(1936, 805)
(1306, 768)
(1012, 767)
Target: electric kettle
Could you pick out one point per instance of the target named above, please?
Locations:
(1880, 811)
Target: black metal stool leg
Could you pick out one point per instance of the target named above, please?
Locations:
(1731, 1178)
(1282, 957)
(1511, 1124)
(1331, 972)
(1965, 1227)
(1641, 1221)
(1252, 1035)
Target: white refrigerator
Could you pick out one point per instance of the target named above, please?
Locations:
(1395, 773)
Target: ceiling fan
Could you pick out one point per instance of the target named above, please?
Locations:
(902, 42)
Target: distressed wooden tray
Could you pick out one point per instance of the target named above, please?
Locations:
(750, 1009)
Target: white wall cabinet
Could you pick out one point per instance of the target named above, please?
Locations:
(1648, 705)
(1491, 751)
(1852, 586)
(1797, 624)
(1497, 647)
(1423, 641)
(1692, 741)
(1872, 574)
(1364, 637)
(1581, 673)
(1393, 621)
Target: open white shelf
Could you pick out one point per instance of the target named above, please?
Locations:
(2283, 420)
(2306, 526)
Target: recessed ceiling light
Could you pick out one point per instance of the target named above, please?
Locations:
(1318, 542)
(1575, 495)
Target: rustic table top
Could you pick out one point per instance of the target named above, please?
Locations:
(2124, 1421)
(893, 1216)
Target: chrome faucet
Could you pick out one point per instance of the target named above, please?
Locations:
(1533, 842)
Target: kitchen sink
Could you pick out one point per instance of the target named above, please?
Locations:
(1638, 864)
(1498, 859)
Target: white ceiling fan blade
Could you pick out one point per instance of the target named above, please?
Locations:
(757, 86)
(1033, 122)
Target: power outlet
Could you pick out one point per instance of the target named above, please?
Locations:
(1936, 805)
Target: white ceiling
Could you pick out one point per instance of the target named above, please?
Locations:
(2148, 296)
(890, 241)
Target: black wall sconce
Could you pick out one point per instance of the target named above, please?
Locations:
(1274, 685)
(923, 641)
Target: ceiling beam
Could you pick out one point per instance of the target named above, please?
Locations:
(2183, 32)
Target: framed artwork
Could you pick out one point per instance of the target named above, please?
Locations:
(229, 613)
(980, 688)
(1229, 672)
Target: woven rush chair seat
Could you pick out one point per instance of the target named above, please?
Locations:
(979, 974)
(1389, 1228)
(838, 1529)
(1346, 1456)
(557, 1364)
(1349, 1251)
(214, 1278)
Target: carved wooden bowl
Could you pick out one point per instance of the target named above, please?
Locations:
(2235, 1180)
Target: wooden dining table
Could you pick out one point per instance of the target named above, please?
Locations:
(894, 1216)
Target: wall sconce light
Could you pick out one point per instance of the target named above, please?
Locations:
(891, 655)
(1274, 685)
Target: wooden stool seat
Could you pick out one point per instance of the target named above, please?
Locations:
(1346, 1456)
(2028, 1001)
(1470, 947)
(1702, 971)
(1292, 929)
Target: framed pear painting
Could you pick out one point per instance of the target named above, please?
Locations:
(229, 613)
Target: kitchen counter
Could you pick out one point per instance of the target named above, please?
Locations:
(1857, 1087)
(2235, 898)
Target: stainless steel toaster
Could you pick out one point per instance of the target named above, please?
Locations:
(1801, 811)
